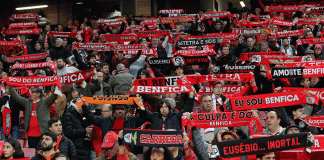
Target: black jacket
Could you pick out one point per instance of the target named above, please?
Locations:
(59, 52)
(40, 156)
(74, 128)
(15, 110)
(246, 50)
(66, 147)
(173, 121)
(107, 123)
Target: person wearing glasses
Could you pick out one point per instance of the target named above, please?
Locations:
(37, 113)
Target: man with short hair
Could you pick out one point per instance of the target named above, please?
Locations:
(122, 81)
(96, 135)
(287, 48)
(37, 113)
(273, 123)
(59, 51)
(77, 128)
(48, 143)
(62, 69)
(120, 58)
(250, 48)
(105, 70)
(266, 156)
(64, 144)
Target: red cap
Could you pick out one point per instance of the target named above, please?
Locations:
(109, 140)
(318, 46)
(72, 28)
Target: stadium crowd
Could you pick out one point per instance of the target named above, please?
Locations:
(226, 85)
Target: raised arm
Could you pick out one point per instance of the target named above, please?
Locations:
(21, 100)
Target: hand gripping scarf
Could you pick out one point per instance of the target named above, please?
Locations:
(271, 100)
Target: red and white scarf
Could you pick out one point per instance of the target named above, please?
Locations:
(22, 31)
(93, 46)
(271, 100)
(195, 53)
(178, 19)
(237, 77)
(248, 56)
(63, 35)
(118, 37)
(26, 66)
(161, 89)
(154, 33)
(24, 16)
(278, 35)
(171, 11)
(76, 77)
(27, 58)
(23, 25)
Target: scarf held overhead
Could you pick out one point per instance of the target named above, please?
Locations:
(76, 77)
(238, 77)
(27, 58)
(24, 66)
(159, 81)
(298, 72)
(153, 138)
(254, 146)
(112, 99)
(319, 92)
(93, 46)
(162, 89)
(118, 37)
(271, 100)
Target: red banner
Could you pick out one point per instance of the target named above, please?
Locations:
(22, 31)
(281, 23)
(161, 89)
(93, 46)
(23, 25)
(33, 81)
(76, 77)
(27, 58)
(309, 41)
(316, 121)
(271, 100)
(118, 37)
(272, 9)
(9, 46)
(19, 90)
